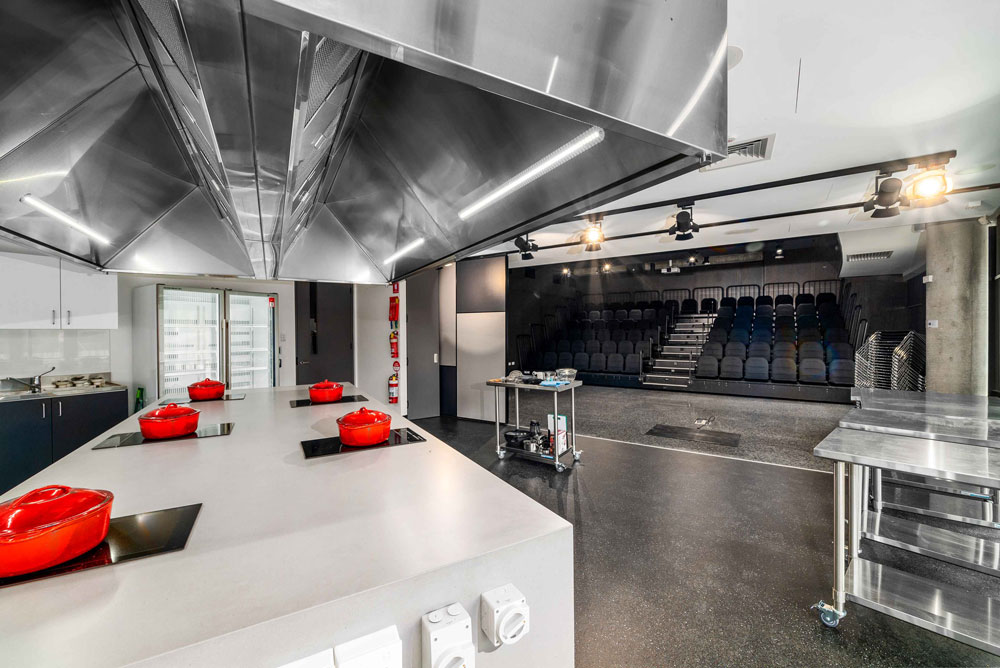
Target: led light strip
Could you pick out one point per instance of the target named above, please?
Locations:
(587, 140)
(64, 218)
(403, 251)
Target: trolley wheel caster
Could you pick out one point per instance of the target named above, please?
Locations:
(829, 618)
(828, 615)
(576, 455)
(560, 468)
(501, 455)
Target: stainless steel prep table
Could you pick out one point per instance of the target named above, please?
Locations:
(937, 607)
(555, 390)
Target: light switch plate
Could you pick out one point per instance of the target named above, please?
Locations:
(382, 649)
(932, 324)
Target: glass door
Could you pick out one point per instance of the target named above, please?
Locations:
(190, 338)
(251, 317)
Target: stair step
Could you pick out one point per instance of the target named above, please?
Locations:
(658, 383)
(665, 364)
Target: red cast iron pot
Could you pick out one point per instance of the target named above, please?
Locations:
(206, 390)
(170, 421)
(325, 392)
(364, 427)
(51, 525)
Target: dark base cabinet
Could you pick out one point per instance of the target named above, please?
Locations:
(77, 419)
(25, 440)
(36, 432)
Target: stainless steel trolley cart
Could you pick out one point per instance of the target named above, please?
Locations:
(555, 390)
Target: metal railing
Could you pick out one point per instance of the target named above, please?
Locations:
(744, 290)
(676, 294)
(790, 288)
(826, 285)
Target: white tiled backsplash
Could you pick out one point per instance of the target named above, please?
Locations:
(26, 352)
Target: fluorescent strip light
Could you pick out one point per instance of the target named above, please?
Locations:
(713, 66)
(552, 74)
(40, 175)
(403, 251)
(587, 140)
(64, 218)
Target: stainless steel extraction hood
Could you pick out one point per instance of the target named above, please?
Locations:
(343, 140)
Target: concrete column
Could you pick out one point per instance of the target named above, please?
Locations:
(957, 298)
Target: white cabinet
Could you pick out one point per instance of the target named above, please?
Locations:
(41, 292)
(29, 291)
(89, 298)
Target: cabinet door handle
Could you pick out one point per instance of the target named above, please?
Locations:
(43, 410)
(60, 408)
(67, 316)
(53, 316)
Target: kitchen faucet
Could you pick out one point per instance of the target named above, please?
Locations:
(36, 381)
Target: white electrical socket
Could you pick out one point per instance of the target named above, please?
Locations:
(382, 649)
(446, 638)
(504, 615)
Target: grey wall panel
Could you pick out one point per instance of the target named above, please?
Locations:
(481, 285)
(481, 356)
(423, 345)
(446, 312)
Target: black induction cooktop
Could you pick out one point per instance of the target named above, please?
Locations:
(225, 397)
(130, 537)
(322, 447)
(346, 399)
(136, 438)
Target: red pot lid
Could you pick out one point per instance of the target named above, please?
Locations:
(168, 412)
(362, 418)
(325, 385)
(208, 382)
(47, 506)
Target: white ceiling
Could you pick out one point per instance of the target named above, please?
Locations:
(879, 81)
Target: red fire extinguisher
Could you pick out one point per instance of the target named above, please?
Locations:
(393, 389)
(394, 344)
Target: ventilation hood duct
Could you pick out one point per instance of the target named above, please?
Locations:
(341, 140)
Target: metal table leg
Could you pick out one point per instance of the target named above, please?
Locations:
(555, 438)
(572, 418)
(877, 481)
(866, 495)
(517, 408)
(496, 404)
(855, 510)
(831, 614)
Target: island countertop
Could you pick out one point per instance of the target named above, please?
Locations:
(277, 533)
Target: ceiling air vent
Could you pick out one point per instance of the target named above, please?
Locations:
(867, 257)
(744, 152)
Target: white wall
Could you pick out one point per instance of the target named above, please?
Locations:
(121, 338)
(372, 363)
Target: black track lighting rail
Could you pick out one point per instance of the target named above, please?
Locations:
(769, 216)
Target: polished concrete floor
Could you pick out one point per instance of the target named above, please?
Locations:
(684, 559)
(771, 430)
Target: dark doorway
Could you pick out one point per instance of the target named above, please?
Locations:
(324, 332)
(423, 345)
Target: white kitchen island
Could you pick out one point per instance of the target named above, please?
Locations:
(290, 556)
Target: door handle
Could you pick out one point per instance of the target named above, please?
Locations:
(67, 316)
(53, 316)
(43, 410)
(60, 408)
(301, 362)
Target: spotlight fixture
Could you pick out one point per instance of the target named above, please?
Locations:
(779, 251)
(887, 199)
(929, 187)
(565, 271)
(684, 226)
(594, 236)
(607, 267)
(64, 218)
(526, 246)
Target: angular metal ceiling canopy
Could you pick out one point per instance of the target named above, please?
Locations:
(349, 141)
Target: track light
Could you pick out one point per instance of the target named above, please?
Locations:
(607, 267)
(887, 199)
(64, 218)
(565, 271)
(779, 251)
(526, 246)
(684, 226)
(594, 236)
(929, 187)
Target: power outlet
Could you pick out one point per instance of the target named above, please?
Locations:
(446, 638)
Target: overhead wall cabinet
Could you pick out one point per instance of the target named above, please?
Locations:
(41, 292)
